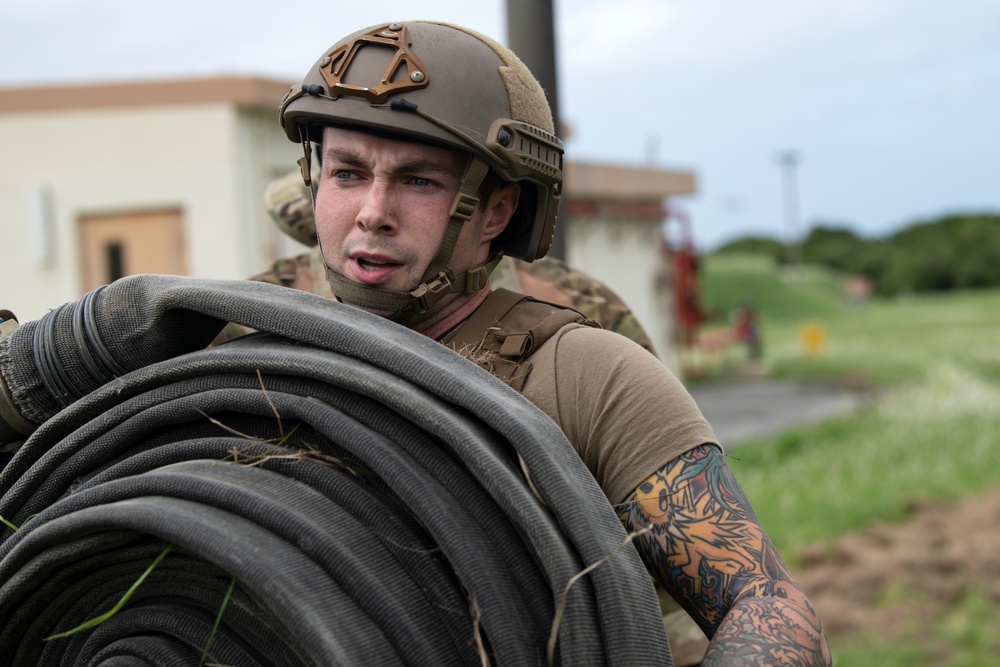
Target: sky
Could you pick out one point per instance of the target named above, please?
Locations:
(889, 109)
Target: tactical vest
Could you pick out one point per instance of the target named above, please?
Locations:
(507, 329)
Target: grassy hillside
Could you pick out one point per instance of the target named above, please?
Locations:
(776, 293)
(889, 340)
(935, 431)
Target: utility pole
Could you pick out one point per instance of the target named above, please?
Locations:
(531, 35)
(789, 161)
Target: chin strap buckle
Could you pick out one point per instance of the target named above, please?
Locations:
(445, 282)
(429, 293)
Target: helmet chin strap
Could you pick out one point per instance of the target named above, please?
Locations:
(402, 304)
(438, 280)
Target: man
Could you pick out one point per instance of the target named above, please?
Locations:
(436, 158)
(404, 152)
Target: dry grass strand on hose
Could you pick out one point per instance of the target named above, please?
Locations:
(477, 633)
(564, 598)
(531, 483)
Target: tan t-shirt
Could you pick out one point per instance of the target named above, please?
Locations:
(625, 413)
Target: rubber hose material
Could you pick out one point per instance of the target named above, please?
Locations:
(358, 482)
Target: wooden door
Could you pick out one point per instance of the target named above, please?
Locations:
(124, 244)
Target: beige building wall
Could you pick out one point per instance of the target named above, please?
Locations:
(211, 160)
(625, 255)
(614, 223)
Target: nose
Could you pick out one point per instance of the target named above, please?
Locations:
(377, 213)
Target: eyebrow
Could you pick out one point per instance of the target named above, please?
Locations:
(354, 159)
(346, 157)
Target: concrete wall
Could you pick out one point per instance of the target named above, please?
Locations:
(614, 219)
(210, 160)
(625, 254)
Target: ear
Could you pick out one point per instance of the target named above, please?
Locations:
(500, 209)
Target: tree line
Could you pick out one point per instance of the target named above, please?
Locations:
(947, 253)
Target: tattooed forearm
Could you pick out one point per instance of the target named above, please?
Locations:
(708, 550)
(705, 543)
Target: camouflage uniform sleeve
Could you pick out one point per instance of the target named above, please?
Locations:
(305, 272)
(286, 272)
(506, 276)
(552, 280)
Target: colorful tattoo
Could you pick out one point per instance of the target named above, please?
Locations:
(709, 552)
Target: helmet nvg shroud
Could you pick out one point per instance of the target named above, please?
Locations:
(449, 86)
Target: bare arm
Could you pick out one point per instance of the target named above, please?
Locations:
(706, 547)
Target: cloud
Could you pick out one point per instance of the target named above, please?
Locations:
(766, 38)
(598, 36)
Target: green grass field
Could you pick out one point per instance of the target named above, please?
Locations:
(935, 359)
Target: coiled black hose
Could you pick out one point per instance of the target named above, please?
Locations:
(355, 486)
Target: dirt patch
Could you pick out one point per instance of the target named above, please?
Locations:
(901, 582)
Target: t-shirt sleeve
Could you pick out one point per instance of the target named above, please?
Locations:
(625, 413)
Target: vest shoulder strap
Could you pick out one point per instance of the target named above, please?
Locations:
(507, 329)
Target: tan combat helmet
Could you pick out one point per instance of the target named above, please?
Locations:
(448, 86)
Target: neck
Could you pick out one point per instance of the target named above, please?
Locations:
(450, 318)
(443, 319)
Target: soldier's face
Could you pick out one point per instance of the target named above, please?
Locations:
(382, 206)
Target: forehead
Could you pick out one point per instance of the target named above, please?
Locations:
(376, 148)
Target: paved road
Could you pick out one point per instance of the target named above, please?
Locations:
(743, 409)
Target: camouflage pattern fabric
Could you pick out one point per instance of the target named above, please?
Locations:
(552, 280)
(289, 202)
(304, 272)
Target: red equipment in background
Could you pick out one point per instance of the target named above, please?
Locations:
(687, 291)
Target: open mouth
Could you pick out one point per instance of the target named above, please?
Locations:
(375, 265)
